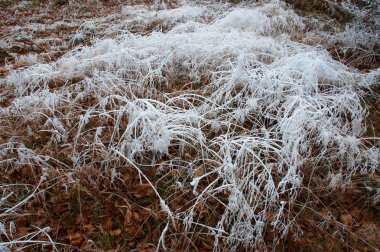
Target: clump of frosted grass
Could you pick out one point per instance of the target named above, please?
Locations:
(27, 60)
(140, 125)
(356, 43)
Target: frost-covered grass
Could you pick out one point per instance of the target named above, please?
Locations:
(256, 111)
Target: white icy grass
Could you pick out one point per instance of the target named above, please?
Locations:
(270, 110)
(358, 42)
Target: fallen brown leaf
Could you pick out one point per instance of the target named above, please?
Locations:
(116, 232)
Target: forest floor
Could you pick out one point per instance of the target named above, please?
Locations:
(48, 203)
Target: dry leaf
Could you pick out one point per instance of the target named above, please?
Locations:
(198, 172)
(116, 232)
(346, 219)
(107, 224)
(136, 216)
(89, 228)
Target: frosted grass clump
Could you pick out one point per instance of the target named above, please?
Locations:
(157, 125)
(31, 79)
(28, 60)
(248, 170)
(356, 43)
(268, 19)
(111, 55)
(140, 126)
(145, 17)
(33, 106)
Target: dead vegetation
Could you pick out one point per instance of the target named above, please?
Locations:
(161, 136)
